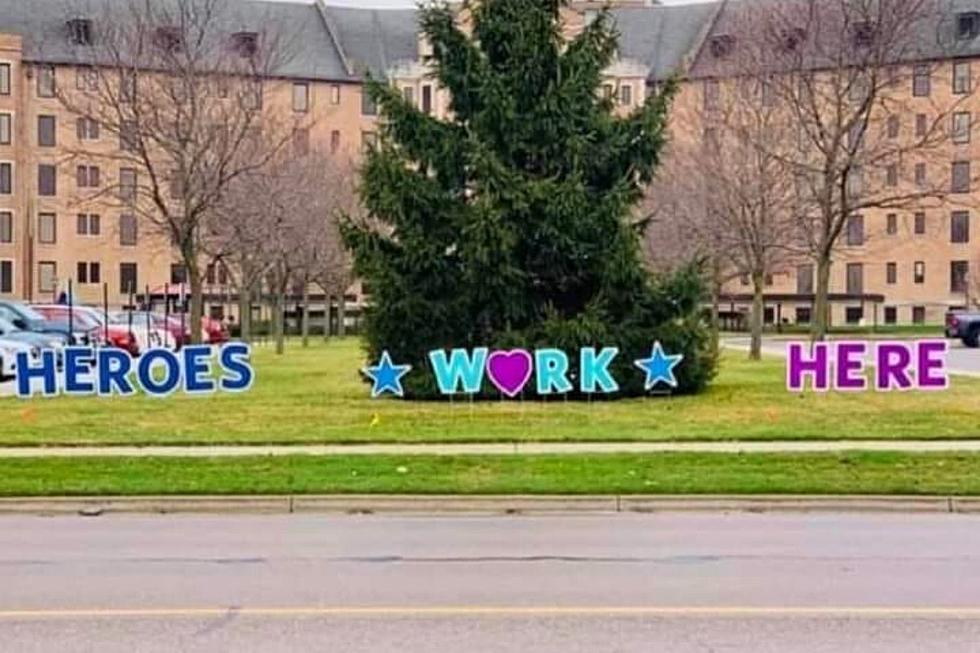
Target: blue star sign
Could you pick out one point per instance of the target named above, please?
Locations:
(387, 376)
(659, 367)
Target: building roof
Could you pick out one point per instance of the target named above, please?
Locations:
(663, 37)
(312, 52)
(374, 39)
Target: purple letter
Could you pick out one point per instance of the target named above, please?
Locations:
(892, 365)
(797, 366)
(850, 365)
(931, 369)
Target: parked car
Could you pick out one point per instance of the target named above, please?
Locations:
(100, 332)
(8, 355)
(24, 317)
(9, 331)
(964, 326)
(149, 331)
(177, 336)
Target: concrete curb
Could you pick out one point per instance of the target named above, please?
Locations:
(401, 504)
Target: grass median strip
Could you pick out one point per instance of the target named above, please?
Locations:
(849, 473)
(315, 396)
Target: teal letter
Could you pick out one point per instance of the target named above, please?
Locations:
(595, 369)
(552, 371)
(460, 369)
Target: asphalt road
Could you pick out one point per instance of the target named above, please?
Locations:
(561, 584)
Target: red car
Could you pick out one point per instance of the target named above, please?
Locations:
(212, 331)
(92, 322)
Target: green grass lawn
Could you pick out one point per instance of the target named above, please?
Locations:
(315, 396)
(850, 473)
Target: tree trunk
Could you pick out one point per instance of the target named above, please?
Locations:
(245, 313)
(756, 319)
(197, 296)
(821, 304)
(327, 312)
(341, 312)
(306, 314)
(278, 320)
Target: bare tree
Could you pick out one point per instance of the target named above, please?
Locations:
(285, 232)
(731, 191)
(847, 74)
(181, 87)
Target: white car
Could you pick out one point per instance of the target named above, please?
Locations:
(145, 329)
(8, 355)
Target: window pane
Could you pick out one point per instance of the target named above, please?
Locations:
(128, 282)
(6, 276)
(127, 230)
(6, 131)
(81, 225)
(958, 276)
(301, 99)
(46, 131)
(5, 79)
(6, 178)
(47, 273)
(6, 227)
(46, 228)
(961, 177)
(47, 185)
(960, 227)
(45, 81)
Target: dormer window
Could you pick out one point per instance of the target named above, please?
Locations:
(722, 45)
(967, 25)
(168, 38)
(863, 33)
(80, 31)
(246, 44)
(791, 38)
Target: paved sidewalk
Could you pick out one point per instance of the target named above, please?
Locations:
(522, 448)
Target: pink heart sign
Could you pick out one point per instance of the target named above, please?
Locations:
(509, 370)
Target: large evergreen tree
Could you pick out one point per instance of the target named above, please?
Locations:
(509, 224)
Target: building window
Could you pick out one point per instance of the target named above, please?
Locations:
(368, 106)
(626, 95)
(6, 178)
(891, 315)
(853, 314)
(6, 128)
(712, 91)
(127, 184)
(894, 123)
(47, 228)
(891, 224)
(967, 25)
(88, 176)
(89, 224)
(45, 81)
(4, 79)
(920, 174)
(891, 175)
(920, 223)
(301, 141)
(961, 77)
(6, 227)
(128, 233)
(88, 272)
(178, 274)
(959, 274)
(959, 227)
(961, 127)
(252, 98)
(46, 131)
(128, 278)
(427, 98)
(804, 279)
(334, 141)
(855, 278)
(921, 124)
(855, 230)
(919, 272)
(47, 180)
(335, 94)
(891, 273)
(921, 80)
(803, 315)
(87, 129)
(918, 315)
(368, 141)
(128, 136)
(408, 94)
(6, 277)
(301, 97)
(855, 181)
(47, 276)
(961, 177)
(86, 79)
